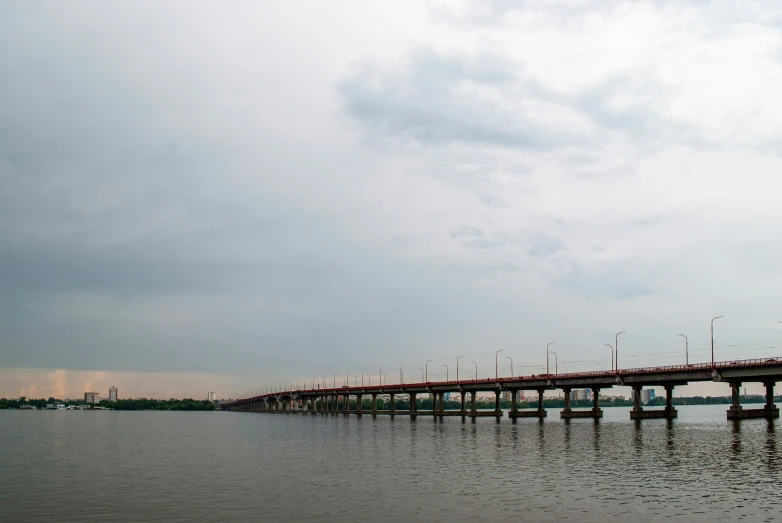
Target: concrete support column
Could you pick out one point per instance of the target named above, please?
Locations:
(413, 404)
(464, 398)
(637, 398)
(436, 403)
(472, 401)
(540, 401)
(392, 407)
(513, 395)
(669, 398)
(595, 399)
(567, 400)
(769, 395)
(374, 404)
(735, 396)
(359, 406)
(497, 408)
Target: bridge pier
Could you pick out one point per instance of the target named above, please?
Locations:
(359, 406)
(391, 407)
(595, 412)
(463, 410)
(374, 404)
(497, 405)
(413, 404)
(638, 411)
(737, 412)
(514, 413)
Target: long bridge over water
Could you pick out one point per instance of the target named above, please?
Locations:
(337, 400)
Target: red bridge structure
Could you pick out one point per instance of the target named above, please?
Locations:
(338, 399)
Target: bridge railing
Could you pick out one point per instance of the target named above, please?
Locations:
(735, 364)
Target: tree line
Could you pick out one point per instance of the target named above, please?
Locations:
(123, 404)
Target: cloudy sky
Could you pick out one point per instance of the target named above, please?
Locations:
(223, 196)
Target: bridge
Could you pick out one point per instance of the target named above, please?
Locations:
(337, 400)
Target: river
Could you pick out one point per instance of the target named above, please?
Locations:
(111, 466)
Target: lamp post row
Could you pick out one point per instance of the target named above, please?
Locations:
(425, 371)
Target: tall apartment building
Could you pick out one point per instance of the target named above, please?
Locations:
(112, 393)
(647, 395)
(92, 397)
(210, 396)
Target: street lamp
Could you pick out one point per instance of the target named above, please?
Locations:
(335, 380)
(324, 380)
(496, 365)
(686, 349)
(476, 370)
(712, 340)
(616, 349)
(446, 372)
(511, 365)
(547, 356)
(401, 375)
(362, 376)
(556, 363)
(422, 374)
(612, 355)
(427, 371)
(457, 366)
(381, 376)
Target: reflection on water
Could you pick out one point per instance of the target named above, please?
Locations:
(222, 466)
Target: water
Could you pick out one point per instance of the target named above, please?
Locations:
(224, 466)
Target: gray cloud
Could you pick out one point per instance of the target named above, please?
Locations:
(432, 99)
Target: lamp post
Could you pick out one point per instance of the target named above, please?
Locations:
(446, 372)
(496, 365)
(381, 376)
(401, 375)
(686, 349)
(547, 356)
(422, 374)
(616, 349)
(612, 355)
(324, 380)
(427, 371)
(457, 367)
(476, 370)
(556, 363)
(362, 376)
(712, 340)
(335, 380)
(511, 365)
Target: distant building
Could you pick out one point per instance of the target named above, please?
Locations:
(647, 395)
(112, 393)
(506, 395)
(92, 397)
(210, 396)
(581, 394)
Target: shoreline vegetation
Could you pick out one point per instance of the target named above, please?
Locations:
(189, 404)
(126, 404)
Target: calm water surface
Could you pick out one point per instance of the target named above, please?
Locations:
(223, 466)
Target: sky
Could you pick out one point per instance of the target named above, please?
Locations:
(204, 197)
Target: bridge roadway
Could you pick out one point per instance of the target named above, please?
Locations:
(337, 400)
